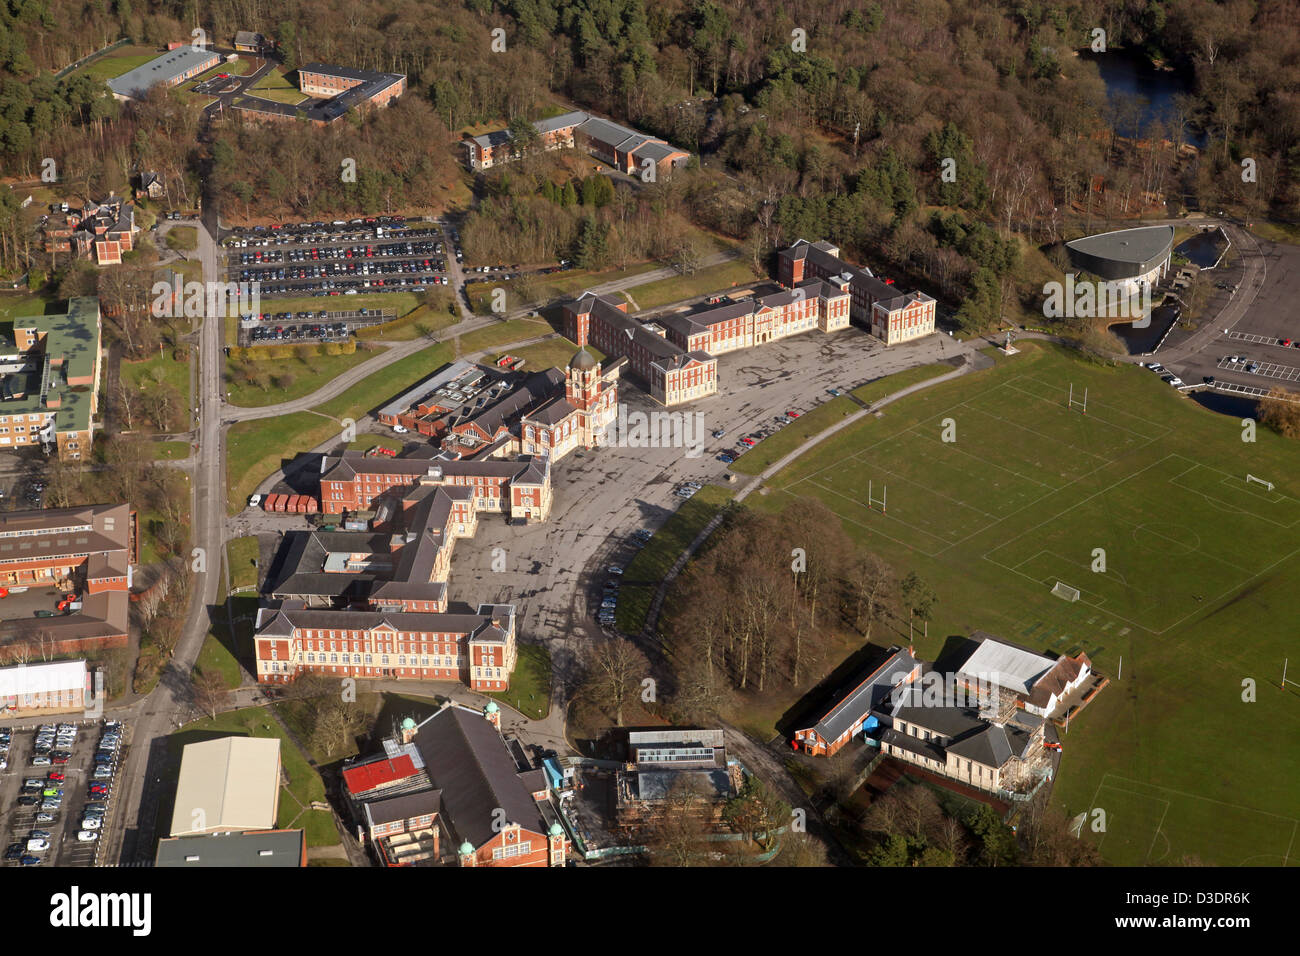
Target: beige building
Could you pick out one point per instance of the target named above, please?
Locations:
(56, 687)
(228, 785)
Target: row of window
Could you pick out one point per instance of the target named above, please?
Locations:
(383, 660)
(522, 849)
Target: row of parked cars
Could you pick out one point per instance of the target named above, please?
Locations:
(53, 748)
(753, 438)
(609, 598)
(282, 333)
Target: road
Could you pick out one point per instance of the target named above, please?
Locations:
(171, 703)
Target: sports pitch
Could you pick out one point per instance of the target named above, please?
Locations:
(1183, 568)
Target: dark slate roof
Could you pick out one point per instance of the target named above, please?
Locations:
(988, 746)
(468, 761)
(915, 745)
(869, 693)
(266, 848)
(403, 807)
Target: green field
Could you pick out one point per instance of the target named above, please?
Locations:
(276, 86)
(727, 275)
(499, 336)
(286, 379)
(530, 683)
(127, 58)
(1199, 573)
(185, 238)
(256, 448)
(553, 353)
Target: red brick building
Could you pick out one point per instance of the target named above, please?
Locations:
(672, 374)
(453, 781)
(892, 315)
(85, 553)
(815, 304)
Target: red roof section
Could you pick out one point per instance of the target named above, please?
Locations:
(377, 773)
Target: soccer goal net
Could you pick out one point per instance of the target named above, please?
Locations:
(1251, 479)
(1065, 592)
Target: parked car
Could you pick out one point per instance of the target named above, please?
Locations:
(90, 823)
(41, 761)
(87, 836)
(27, 800)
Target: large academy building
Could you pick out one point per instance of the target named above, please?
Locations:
(1132, 257)
(892, 315)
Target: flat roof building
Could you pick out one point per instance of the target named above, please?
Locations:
(261, 849)
(49, 380)
(55, 686)
(228, 784)
(169, 69)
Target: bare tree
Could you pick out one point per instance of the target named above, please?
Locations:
(210, 692)
(615, 669)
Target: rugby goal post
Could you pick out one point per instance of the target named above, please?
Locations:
(1065, 592)
(1251, 479)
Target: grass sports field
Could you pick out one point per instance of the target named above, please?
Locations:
(1200, 589)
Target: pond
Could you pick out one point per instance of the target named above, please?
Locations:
(1128, 75)
(1237, 406)
(1204, 249)
(1142, 340)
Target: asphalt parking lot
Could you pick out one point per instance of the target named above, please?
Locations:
(552, 569)
(1258, 335)
(17, 822)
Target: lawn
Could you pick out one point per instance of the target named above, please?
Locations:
(398, 302)
(111, 67)
(14, 304)
(719, 278)
(1183, 568)
(170, 450)
(553, 353)
(286, 379)
(145, 374)
(878, 389)
(643, 573)
(530, 684)
(559, 286)
(276, 86)
(256, 448)
(304, 787)
(242, 553)
(215, 657)
(183, 238)
(502, 334)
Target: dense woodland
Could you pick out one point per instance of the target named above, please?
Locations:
(842, 139)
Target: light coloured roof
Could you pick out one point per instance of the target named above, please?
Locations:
(1005, 666)
(227, 784)
(162, 69)
(42, 678)
(1131, 246)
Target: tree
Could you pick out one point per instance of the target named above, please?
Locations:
(210, 692)
(756, 811)
(871, 581)
(1280, 412)
(919, 599)
(677, 830)
(615, 669)
(523, 135)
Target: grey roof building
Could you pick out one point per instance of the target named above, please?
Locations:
(1123, 254)
(174, 66)
(264, 848)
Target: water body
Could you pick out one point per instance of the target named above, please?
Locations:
(1204, 249)
(1235, 406)
(1132, 75)
(1141, 341)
